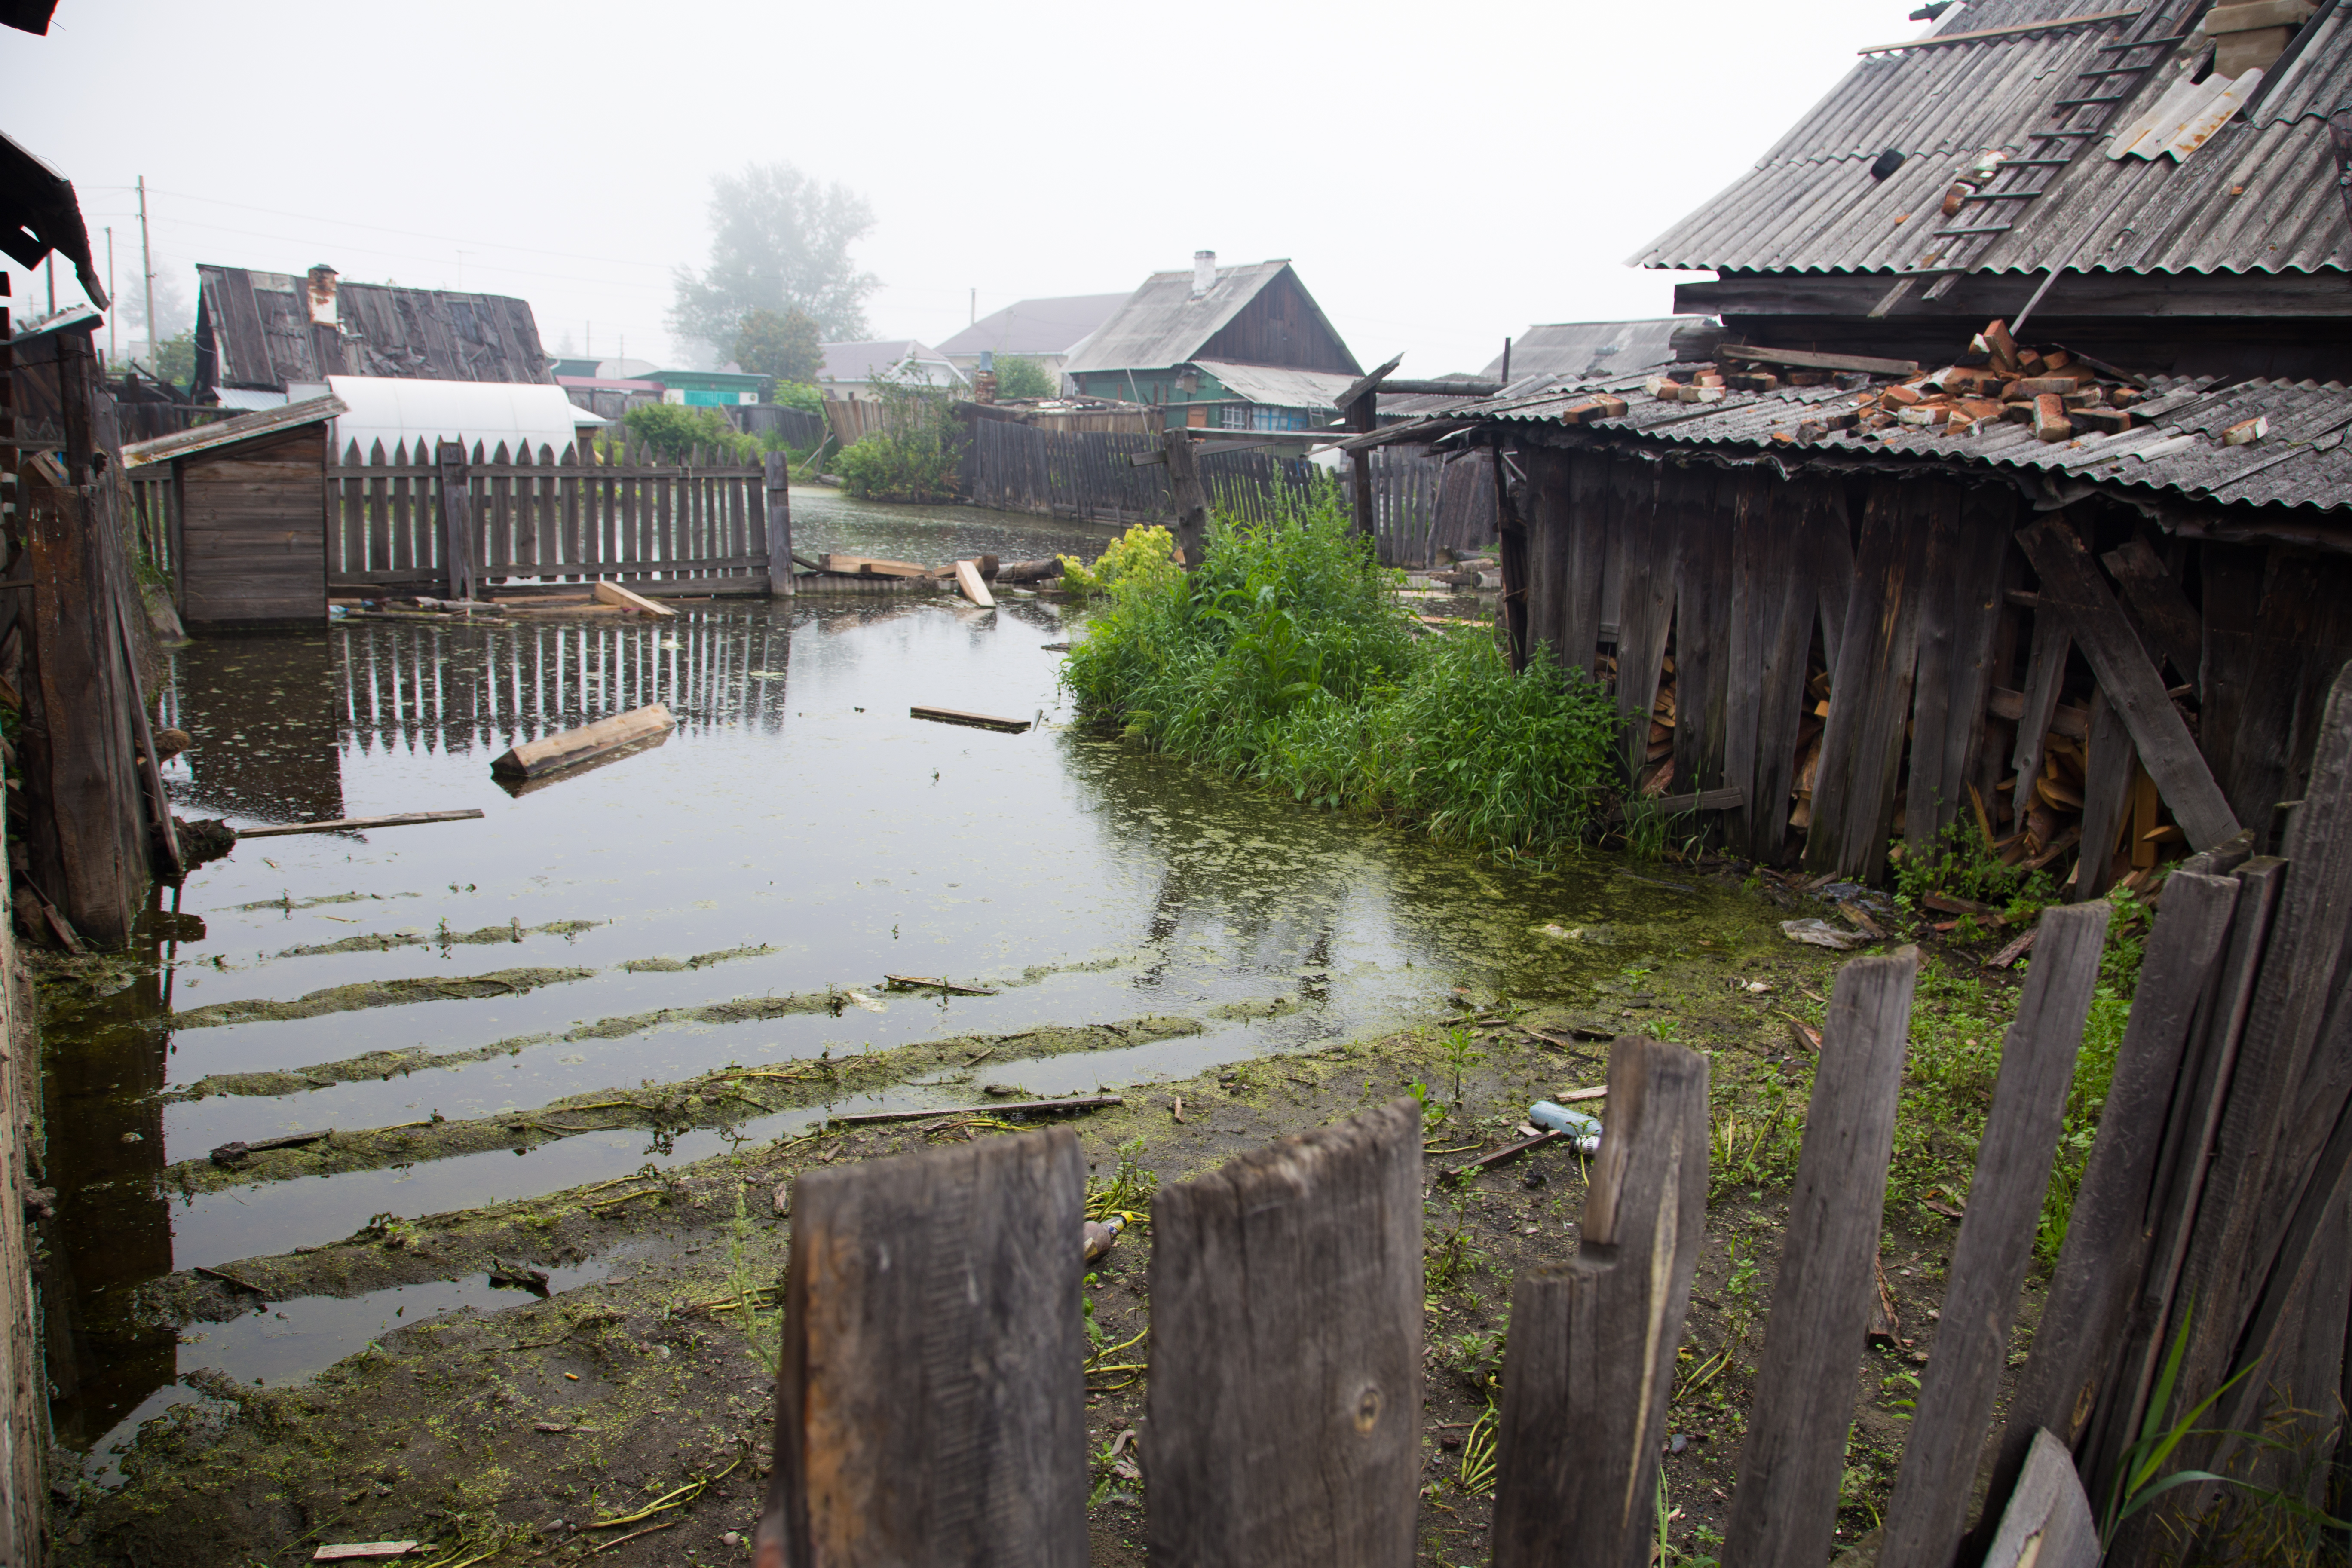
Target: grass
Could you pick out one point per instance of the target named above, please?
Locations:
(1286, 660)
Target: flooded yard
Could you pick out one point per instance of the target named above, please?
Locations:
(732, 897)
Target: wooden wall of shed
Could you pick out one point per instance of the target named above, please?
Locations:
(252, 549)
(1854, 654)
(1281, 327)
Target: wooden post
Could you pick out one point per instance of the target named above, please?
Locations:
(1511, 535)
(780, 527)
(1185, 491)
(1784, 1511)
(1924, 1517)
(931, 1406)
(1363, 416)
(456, 519)
(2106, 781)
(1591, 1361)
(2108, 1235)
(1286, 1353)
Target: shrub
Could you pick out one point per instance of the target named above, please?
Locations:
(671, 430)
(1145, 554)
(1288, 660)
(913, 457)
(1020, 375)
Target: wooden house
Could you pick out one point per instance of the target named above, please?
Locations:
(1233, 348)
(1045, 330)
(1856, 612)
(265, 336)
(249, 512)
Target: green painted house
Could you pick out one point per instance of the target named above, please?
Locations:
(708, 388)
(1234, 348)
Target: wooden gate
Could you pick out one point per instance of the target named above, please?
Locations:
(253, 532)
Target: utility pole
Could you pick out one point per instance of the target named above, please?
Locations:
(53, 282)
(147, 266)
(112, 349)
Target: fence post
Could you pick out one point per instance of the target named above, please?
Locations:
(1590, 1360)
(1784, 1510)
(930, 1400)
(780, 527)
(457, 518)
(1191, 501)
(1924, 1517)
(1286, 1353)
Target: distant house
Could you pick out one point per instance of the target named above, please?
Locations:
(708, 388)
(850, 370)
(1043, 329)
(1233, 348)
(260, 333)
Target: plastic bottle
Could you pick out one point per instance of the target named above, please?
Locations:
(1102, 1236)
(1585, 1130)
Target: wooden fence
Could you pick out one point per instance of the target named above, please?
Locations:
(1091, 476)
(448, 522)
(1288, 1323)
(1424, 504)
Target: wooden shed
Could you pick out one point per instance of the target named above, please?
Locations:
(248, 545)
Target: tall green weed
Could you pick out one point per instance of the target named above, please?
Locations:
(1288, 660)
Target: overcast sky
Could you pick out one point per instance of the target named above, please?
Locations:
(1441, 176)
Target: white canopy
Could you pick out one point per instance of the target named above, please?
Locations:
(392, 409)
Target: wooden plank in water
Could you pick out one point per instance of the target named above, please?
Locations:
(995, 1107)
(570, 746)
(354, 823)
(968, 580)
(615, 595)
(866, 567)
(979, 721)
(1285, 1406)
(930, 1403)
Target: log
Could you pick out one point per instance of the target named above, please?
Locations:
(1784, 1511)
(1029, 571)
(1925, 1516)
(1285, 1413)
(1591, 1361)
(2048, 1522)
(536, 758)
(615, 595)
(968, 580)
(356, 824)
(978, 721)
(998, 1107)
(924, 983)
(930, 1400)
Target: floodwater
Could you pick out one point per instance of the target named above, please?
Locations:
(797, 811)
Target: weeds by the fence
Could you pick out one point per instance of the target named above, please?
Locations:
(1288, 660)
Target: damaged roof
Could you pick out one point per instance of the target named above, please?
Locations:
(2301, 462)
(2260, 197)
(1592, 348)
(1163, 323)
(1278, 386)
(254, 330)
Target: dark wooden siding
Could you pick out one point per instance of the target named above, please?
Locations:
(1282, 327)
(254, 532)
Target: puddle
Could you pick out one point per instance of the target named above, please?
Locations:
(799, 821)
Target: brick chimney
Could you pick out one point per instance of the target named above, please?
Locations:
(1204, 272)
(322, 296)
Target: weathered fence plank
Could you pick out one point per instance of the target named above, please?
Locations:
(1924, 1517)
(1286, 1353)
(1784, 1512)
(1591, 1361)
(931, 1406)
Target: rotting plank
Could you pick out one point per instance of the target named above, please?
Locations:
(2070, 584)
(2106, 785)
(2157, 604)
(2233, 606)
(2045, 673)
(930, 1405)
(1784, 1510)
(978, 721)
(2114, 1220)
(1924, 1517)
(570, 746)
(2047, 1521)
(1581, 507)
(1704, 500)
(354, 823)
(1651, 537)
(1960, 608)
(1771, 635)
(1591, 1363)
(1286, 1353)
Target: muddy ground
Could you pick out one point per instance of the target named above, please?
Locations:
(629, 1418)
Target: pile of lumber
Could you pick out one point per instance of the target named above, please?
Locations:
(971, 576)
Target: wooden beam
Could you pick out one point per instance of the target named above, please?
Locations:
(1190, 497)
(1930, 1503)
(1731, 798)
(2015, 29)
(1286, 1342)
(968, 584)
(569, 746)
(2159, 606)
(1393, 388)
(997, 1108)
(1590, 1363)
(1805, 359)
(930, 1403)
(357, 824)
(776, 489)
(2071, 585)
(867, 566)
(2106, 785)
(621, 598)
(1784, 1511)
(1364, 384)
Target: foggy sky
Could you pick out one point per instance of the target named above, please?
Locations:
(1440, 175)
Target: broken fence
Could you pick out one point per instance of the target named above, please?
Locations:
(931, 1407)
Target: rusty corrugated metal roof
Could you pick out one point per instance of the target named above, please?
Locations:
(1810, 205)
